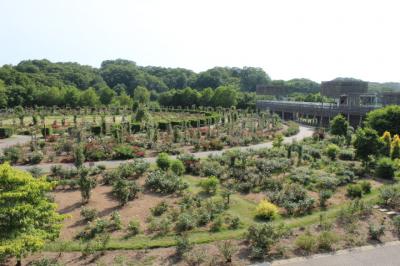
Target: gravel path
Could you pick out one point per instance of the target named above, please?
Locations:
(382, 255)
(14, 140)
(303, 133)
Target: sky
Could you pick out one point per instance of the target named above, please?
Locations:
(315, 39)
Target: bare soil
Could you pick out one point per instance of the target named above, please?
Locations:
(69, 202)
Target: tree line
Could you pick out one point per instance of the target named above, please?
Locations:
(44, 83)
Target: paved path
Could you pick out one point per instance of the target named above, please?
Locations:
(14, 140)
(382, 255)
(304, 132)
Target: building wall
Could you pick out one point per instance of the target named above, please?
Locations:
(389, 98)
(336, 88)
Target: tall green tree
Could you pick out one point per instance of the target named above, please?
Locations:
(141, 94)
(3, 95)
(89, 98)
(385, 119)
(225, 96)
(86, 184)
(366, 143)
(339, 125)
(206, 96)
(250, 77)
(106, 95)
(28, 218)
(122, 100)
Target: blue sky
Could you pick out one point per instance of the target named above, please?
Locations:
(316, 39)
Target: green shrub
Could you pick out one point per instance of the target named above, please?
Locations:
(227, 248)
(390, 196)
(339, 125)
(316, 154)
(98, 226)
(190, 162)
(262, 236)
(163, 161)
(211, 168)
(293, 129)
(356, 210)
(79, 156)
(35, 157)
(327, 182)
(346, 155)
(326, 240)
(36, 171)
(135, 127)
(216, 144)
(86, 183)
(96, 130)
(12, 154)
(324, 195)
(132, 169)
(125, 190)
(133, 227)
(385, 168)
(160, 226)
(95, 153)
(294, 198)
(164, 183)
(203, 217)
(354, 191)
(123, 152)
(278, 140)
(346, 176)
(159, 209)
(116, 222)
(306, 242)
(185, 222)
(6, 132)
(396, 223)
(376, 231)
(46, 131)
(217, 224)
(45, 262)
(332, 150)
(89, 214)
(234, 223)
(365, 186)
(210, 185)
(177, 167)
(213, 206)
(182, 245)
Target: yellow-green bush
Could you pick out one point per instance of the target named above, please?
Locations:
(266, 210)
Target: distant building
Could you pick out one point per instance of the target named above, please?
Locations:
(349, 92)
(388, 98)
(276, 90)
(352, 100)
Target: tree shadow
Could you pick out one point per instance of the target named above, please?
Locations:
(70, 208)
(108, 211)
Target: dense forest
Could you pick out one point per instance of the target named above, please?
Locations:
(43, 83)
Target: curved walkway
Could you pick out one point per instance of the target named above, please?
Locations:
(380, 255)
(304, 132)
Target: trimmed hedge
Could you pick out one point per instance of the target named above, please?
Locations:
(163, 125)
(96, 130)
(46, 131)
(135, 127)
(6, 132)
